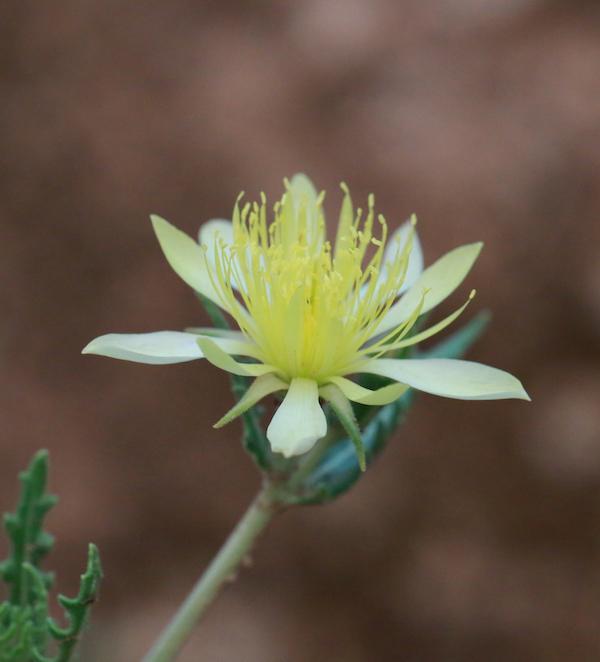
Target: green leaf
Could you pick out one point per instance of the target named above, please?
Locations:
(339, 469)
(25, 629)
(28, 542)
(39, 607)
(77, 608)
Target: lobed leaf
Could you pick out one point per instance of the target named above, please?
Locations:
(29, 543)
(26, 632)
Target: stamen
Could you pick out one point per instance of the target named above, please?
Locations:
(310, 309)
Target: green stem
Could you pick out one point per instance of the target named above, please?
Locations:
(221, 569)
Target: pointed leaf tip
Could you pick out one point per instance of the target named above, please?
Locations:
(343, 410)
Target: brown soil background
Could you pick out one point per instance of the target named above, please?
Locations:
(475, 537)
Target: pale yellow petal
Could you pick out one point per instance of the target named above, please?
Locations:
(438, 281)
(186, 257)
(365, 396)
(221, 359)
(160, 347)
(299, 421)
(450, 378)
(260, 388)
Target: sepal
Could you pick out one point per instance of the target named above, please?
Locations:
(254, 438)
(342, 407)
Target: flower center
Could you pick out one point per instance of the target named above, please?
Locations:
(309, 309)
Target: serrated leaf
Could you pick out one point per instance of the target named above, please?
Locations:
(29, 543)
(77, 608)
(25, 628)
(39, 608)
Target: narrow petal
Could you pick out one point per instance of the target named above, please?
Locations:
(304, 217)
(214, 332)
(211, 236)
(303, 191)
(343, 410)
(450, 378)
(439, 281)
(218, 356)
(345, 222)
(186, 257)
(159, 347)
(394, 248)
(156, 348)
(299, 422)
(260, 388)
(365, 396)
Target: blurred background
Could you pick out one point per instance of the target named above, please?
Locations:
(475, 536)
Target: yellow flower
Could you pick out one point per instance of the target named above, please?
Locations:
(310, 313)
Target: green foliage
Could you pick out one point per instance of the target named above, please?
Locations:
(29, 542)
(27, 634)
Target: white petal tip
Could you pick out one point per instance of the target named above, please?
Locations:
(299, 421)
(160, 225)
(89, 348)
(524, 395)
(518, 391)
(303, 446)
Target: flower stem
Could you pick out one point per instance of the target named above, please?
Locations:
(221, 569)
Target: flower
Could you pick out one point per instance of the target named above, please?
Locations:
(311, 313)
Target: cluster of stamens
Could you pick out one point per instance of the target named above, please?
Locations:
(311, 309)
